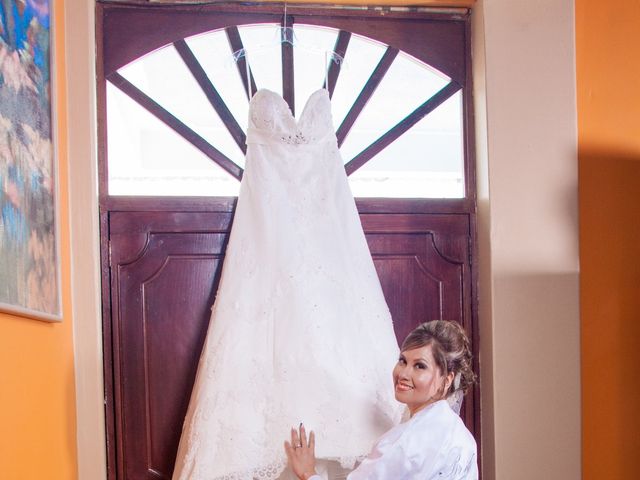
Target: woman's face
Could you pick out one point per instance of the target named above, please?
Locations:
(417, 379)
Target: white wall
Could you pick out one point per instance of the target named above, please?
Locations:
(529, 326)
(524, 60)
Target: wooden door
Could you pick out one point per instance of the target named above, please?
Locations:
(165, 267)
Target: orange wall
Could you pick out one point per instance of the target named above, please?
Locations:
(608, 75)
(37, 394)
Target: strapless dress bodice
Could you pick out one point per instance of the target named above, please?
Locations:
(271, 120)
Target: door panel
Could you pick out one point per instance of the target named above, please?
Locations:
(165, 268)
(411, 265)
(161, 312)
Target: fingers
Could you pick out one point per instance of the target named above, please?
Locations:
(301, 452)
(288, 449)
(295, 440)
(303, 437)
(312, 442)
(299, 440)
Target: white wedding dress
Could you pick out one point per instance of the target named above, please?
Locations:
(300, 331)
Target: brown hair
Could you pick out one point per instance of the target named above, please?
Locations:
(450, 347)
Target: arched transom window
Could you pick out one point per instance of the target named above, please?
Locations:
(177, 117)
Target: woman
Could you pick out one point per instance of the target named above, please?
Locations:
(434, 366)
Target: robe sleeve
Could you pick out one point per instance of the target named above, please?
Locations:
(392, 462)
(388, 460)
(398, 455)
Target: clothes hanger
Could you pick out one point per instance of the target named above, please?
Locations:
(286, 35)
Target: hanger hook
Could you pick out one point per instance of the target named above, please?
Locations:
(286, 35)
(284, 17)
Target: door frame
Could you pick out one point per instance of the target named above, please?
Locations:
(466, 205)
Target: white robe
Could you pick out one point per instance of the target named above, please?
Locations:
(433, 444)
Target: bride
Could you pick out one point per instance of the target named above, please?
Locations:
(434, 365)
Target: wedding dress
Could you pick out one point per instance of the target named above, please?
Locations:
(300, 331)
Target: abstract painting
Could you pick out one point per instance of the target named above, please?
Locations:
(29, 260)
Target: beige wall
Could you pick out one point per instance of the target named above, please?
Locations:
(80, 47)
(529, 331)
(525, 92)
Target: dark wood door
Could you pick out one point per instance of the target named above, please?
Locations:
(165, 268)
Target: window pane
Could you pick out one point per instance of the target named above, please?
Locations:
(164, 77)
(148, 158)
(407, 85)
(360, 60)
(311, 55)
(426, 162)
(214, 55)
(263, 49)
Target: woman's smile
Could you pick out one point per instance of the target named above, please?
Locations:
(418, 380)
(402, 387)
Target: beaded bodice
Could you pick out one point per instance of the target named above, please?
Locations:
(271, 120)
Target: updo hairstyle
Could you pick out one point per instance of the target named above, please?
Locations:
(451, 351)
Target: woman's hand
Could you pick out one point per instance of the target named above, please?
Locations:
(301, 454)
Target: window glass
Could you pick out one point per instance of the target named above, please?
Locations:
(360, 60)
(216, 58)
(163, 76)
(148, 158)
(264, 51)
(407, 84)
(425, 162)
(311, 57)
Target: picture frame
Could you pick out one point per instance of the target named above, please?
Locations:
(30, 277)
